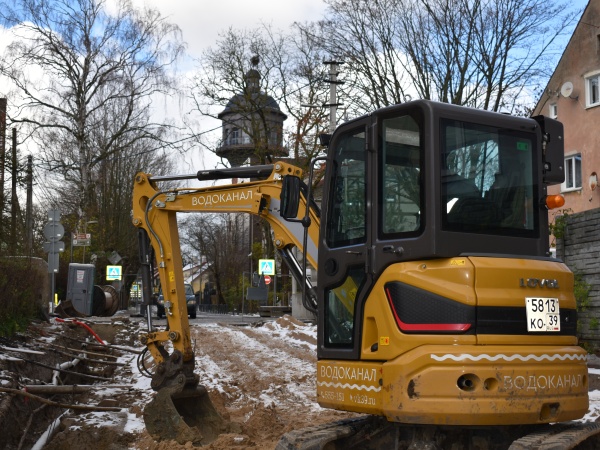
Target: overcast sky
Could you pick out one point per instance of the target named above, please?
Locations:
(202, 20)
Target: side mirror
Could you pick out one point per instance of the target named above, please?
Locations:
(290, 197)
(553, 151)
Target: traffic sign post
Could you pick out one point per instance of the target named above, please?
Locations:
(82, 240)
(54, 247)
(53, 231)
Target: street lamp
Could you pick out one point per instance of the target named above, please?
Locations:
(90, 222)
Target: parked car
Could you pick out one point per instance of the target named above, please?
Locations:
(190, 299)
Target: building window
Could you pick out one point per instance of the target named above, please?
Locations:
(572, 173)
(553, 113)
(234, 136)
(592, 90)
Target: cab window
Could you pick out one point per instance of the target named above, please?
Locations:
(400, 188)
(347, 206)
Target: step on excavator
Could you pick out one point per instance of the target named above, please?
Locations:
(442, 315)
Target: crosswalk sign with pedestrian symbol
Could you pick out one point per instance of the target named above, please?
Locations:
(266, 266)
(113, 272)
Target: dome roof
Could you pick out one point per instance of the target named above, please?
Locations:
(251, 99)
(248, 102)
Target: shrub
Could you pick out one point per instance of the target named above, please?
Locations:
(23, 283)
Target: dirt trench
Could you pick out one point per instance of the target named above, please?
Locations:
(262, 378)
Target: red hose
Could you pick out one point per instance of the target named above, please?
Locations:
(81, 324)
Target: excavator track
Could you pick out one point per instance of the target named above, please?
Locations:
(376, 433)
(563, 436)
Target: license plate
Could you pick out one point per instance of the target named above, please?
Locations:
(543, 314)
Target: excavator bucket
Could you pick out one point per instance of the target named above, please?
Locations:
(184, 416)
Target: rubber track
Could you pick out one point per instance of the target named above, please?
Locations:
(562, 436)
(318, 436)
(369, 432)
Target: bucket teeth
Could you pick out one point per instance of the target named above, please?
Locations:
(184, 415)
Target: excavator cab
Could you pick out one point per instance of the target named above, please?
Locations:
(439, 301)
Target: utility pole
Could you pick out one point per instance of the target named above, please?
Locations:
(14, 201)
(333, 83)
(29, 208)
(2, 163)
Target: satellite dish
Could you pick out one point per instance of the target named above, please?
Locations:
(566, 90)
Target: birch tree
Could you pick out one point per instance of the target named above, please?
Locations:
(84, 75)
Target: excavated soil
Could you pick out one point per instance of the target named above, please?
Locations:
(262, 378)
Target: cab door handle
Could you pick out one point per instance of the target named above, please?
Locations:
(398, 251)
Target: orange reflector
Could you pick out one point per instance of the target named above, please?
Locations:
(554, 201)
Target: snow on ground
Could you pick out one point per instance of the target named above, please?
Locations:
(594, 409)
(272, 366)
(280, 357)
(263, 367)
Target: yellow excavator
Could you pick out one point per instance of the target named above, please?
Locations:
(441, 313)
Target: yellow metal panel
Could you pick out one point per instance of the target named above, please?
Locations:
(350, 386)
(503, 281)
(444, 277)
(485, 385)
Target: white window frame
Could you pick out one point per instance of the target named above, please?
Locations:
(553, 110)
(573, 165)
(592, 88)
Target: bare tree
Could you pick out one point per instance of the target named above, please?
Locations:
(364, 34)
(304, 93)
(482, 53)
(84, 80)
(223, 240)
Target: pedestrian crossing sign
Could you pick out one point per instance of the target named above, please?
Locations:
(113, 272)
(266, 267)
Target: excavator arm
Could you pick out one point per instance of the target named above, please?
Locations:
(427, 289)
(276, 197)
(155, 211)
